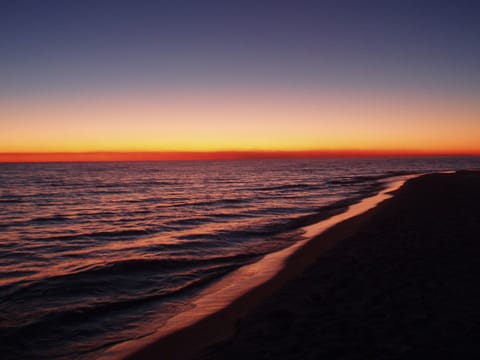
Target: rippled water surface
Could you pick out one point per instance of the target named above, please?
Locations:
(91, 252)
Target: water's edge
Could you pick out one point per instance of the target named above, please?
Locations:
(234, 295)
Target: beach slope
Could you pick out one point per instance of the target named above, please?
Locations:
(404, 285)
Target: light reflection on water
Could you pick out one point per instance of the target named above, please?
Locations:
(89, 251)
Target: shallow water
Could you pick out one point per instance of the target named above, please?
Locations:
(90, 252)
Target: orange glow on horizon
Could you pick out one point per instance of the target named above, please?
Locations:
(219, 155)
(234, 125)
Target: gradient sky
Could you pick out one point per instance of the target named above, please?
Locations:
(95, 75)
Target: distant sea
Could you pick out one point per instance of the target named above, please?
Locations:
(92, 253)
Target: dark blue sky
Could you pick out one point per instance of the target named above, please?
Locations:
(55, 46)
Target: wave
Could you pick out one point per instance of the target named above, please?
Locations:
(193, 221)
(350, 180)
(13, 331)
(155, 183)
(130, 268)
(298, 187)
(194, 242)
(226, 201)
(9, 198)
(151, 265)
(109, 192)
(267, 229)
(105, 234)
(119, 187)
(49, 219)
(15, 274)
(142, 201)
(232, 215)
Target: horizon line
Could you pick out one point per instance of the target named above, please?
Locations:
(126, 156)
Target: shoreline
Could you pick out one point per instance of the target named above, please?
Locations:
(404, 285)
(218, 309)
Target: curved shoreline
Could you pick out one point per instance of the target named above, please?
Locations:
(218, 309)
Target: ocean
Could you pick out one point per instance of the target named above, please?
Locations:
(95, 254)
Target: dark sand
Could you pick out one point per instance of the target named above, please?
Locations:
(405, 285)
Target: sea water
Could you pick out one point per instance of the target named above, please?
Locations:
(92, 252)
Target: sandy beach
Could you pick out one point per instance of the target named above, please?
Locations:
(397, 281)
(404, 286)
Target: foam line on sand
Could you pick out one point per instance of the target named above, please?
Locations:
(217, 310)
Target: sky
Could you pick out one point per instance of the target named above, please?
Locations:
(256, 76)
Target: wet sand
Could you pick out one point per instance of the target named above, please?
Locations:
(397, 281)
(404, 285)
(216, 311)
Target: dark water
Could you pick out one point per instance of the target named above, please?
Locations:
(91, 252)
